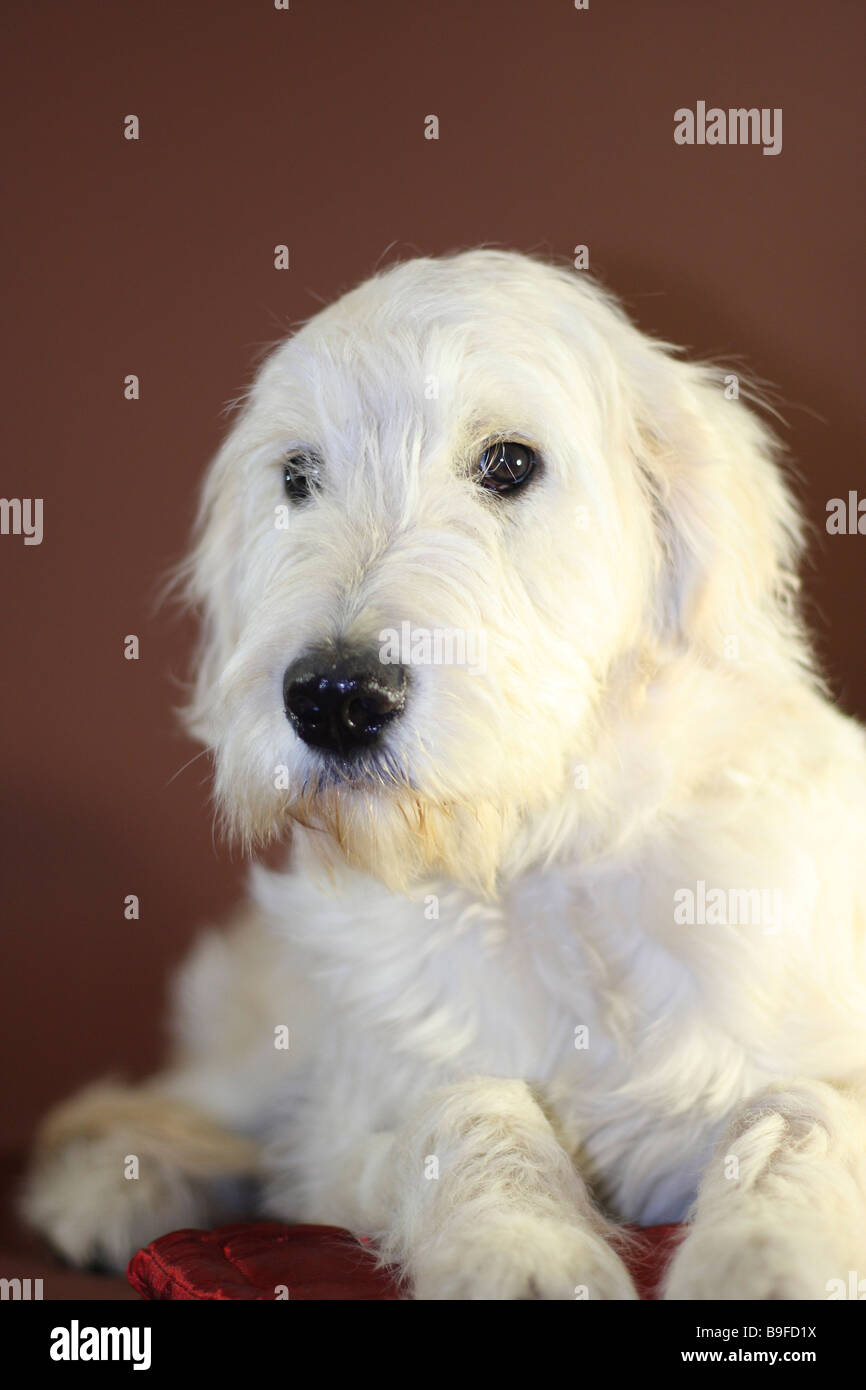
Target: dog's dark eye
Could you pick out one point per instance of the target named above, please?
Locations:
(505, 466)
(300, 476)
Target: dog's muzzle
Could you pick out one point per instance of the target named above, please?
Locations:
(340, 701)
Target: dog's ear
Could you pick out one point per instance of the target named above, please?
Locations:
(729, 532)
(210, 580)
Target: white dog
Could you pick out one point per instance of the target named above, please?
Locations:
(570, 934)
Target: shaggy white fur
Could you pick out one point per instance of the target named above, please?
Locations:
(585, 934)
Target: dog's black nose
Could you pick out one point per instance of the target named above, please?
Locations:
(340, 701)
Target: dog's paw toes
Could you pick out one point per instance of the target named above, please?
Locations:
(752, 1265)
(519, 1259)
(97, 1202)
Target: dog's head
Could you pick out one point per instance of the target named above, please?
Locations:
(464, 510)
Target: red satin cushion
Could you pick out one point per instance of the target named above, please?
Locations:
(248, 1260)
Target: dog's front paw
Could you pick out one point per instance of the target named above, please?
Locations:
(743, 1260)
(521, 1257)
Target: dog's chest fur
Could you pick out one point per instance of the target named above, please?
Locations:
(559, 985)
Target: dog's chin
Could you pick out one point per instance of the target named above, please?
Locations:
(391, 830)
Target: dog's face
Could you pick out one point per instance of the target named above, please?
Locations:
(457, 505)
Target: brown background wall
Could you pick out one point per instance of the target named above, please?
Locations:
(257, 127)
